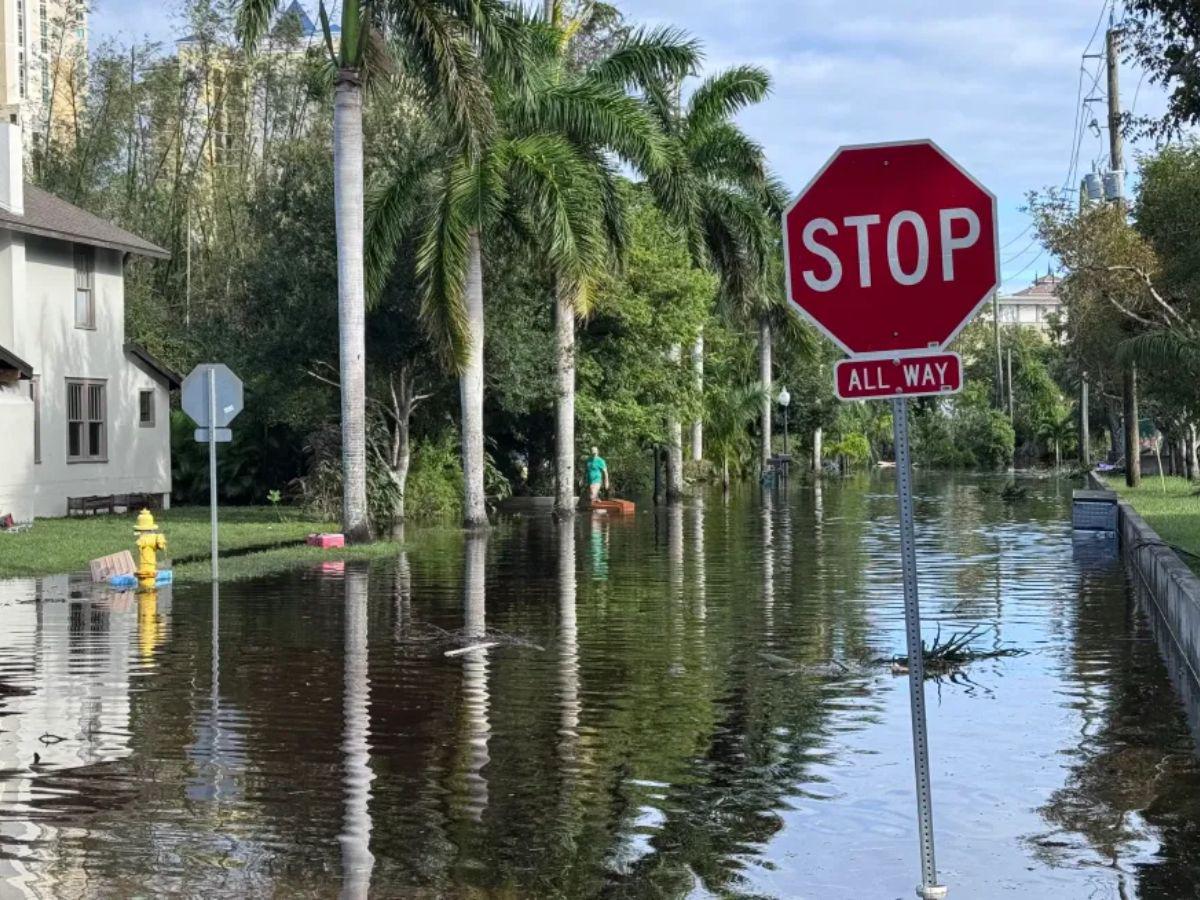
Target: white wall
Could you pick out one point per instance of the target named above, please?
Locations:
(16, 457)
(45, 336)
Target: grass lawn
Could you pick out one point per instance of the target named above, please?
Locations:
(1174, 514)
(52, 546)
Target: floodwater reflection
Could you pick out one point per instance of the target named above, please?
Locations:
(690, 702)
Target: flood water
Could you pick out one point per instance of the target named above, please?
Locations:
(661, 715)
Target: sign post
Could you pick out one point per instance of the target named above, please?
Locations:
(212, 468)
(212, 396)
(890, 251)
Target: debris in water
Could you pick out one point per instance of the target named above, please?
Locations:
(461, 650)
(956, 652)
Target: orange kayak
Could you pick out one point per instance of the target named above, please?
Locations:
(616, 507)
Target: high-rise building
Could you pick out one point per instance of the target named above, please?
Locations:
(44, 47)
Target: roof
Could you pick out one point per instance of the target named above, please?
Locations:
(10, 360)
(153, 363)
(48, 216)
(1044, 288)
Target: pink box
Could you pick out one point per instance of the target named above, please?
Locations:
(327, 540)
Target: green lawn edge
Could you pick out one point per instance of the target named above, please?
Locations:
(55, 546)
(1171, 506)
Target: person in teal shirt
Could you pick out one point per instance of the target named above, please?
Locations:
(597, 473)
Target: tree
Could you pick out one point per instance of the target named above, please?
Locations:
(716, 186)
(438, 40)
(637, 60)
(1164, 35)
(539, 175)
(1109, 294)
(1058, 431)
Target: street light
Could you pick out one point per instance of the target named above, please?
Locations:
(784, 400)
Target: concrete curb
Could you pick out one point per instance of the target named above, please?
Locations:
(1172, 586)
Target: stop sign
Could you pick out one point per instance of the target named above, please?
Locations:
(891, 248)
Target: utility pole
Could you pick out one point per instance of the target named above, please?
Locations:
(1011, 414)
(1085, 436)
(996, 340)
(1116, 164)
(1116, 161)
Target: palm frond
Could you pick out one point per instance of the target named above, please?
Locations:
(566, 195)
(392, 206)
(447, 63)
(722, 150)
(592, 114)
(1160, 349)
(253, 21)
(725, 93)
(442, 260)
(645, 58)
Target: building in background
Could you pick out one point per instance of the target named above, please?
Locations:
(84, 413)
(44, 45)
(1036, 306)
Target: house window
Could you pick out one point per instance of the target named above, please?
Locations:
(35, 394)
(87, 438)
(85, 294)
(146, 409)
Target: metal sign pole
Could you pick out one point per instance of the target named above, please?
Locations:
(929, 889)
(212, 463)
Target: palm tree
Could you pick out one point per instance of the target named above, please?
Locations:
(718, 189)
(437, 41)
(1057, 430)
(641, 60)
(546, 175)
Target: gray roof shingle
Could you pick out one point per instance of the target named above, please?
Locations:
(48, 216)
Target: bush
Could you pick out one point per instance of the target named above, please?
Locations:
(435, 480)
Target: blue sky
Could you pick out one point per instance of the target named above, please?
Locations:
(995, 84)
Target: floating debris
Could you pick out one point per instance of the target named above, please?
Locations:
(488, 645)
(944, 658)
(461, 640)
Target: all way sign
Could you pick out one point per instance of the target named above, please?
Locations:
(911, 376)
(890, 251)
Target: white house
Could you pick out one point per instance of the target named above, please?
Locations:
(83, 411)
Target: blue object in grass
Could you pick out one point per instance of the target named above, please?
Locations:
(164, 576)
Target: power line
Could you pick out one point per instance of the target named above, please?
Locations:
(1015, 256)
(1024, 231)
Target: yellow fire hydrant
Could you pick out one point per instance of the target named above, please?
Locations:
(149, 541)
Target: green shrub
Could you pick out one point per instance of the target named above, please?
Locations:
(435, 480)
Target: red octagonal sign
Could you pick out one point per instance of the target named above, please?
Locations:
(891, 248)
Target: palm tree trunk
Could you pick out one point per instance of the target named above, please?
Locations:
(674, 442)
(348, 209)
(764, 377)
(1133, 446)
(818, 436)
(564, 406)
(698, 423)
(1193, 471)
(470, 386)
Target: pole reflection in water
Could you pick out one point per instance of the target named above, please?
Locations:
(675, 548)
(402, 595)
(355, 839)
(701, 585)
(768, 560)
(475, 676)
(568, 643)
(219, 748)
